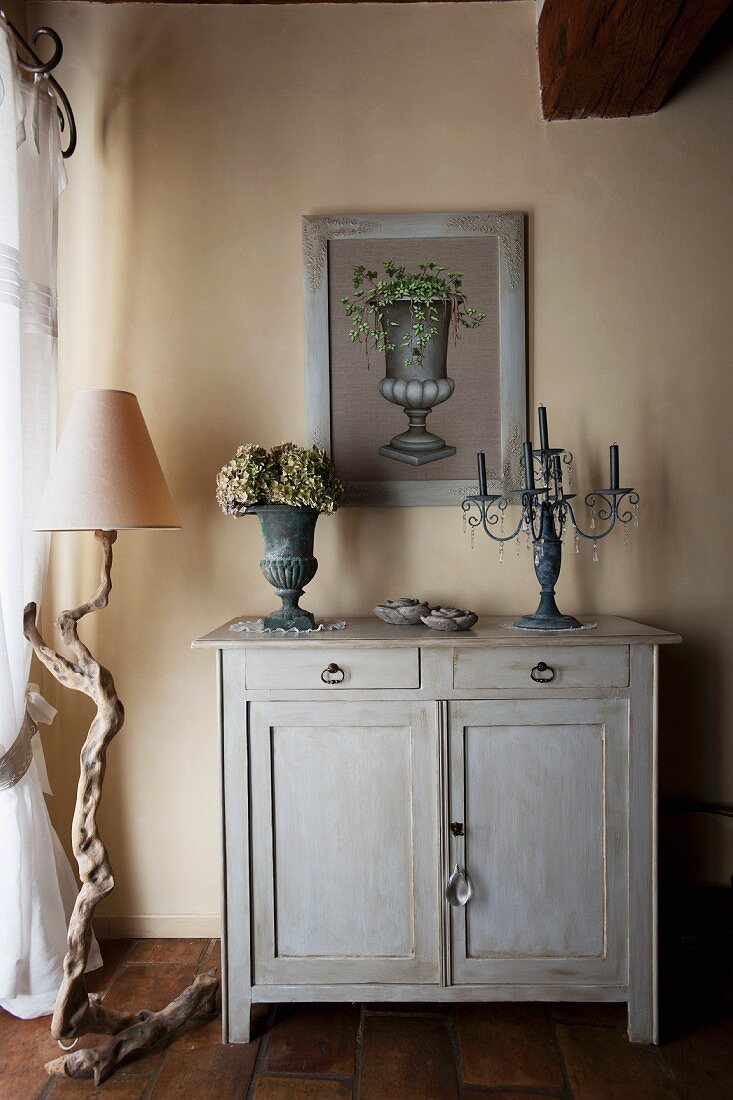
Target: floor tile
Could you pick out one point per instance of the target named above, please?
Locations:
(314, 1039)
(507, 1044)
(200, 1031)
(603, 1013)
(170, 952)
(151, 987)
(602, 1064)
(702, 1062)
(483, 1094)
(216, 1071)
(293, 1088)
(25, 1047)
(407, 1058)
(113, 953)
(117, 1088)
(212, 959)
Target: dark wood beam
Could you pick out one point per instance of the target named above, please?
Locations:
(615, 58)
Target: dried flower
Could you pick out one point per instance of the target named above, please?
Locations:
(288, 474)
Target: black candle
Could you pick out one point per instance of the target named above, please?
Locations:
(614, 466)
(556, 468)
(543, 427)
(528, 465)
(482, 486)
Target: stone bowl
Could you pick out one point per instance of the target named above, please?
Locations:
(449, 618)
(402, 612)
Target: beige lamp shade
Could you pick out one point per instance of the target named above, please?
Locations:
(106, 474)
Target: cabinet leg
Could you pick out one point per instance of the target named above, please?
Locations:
(642, 1016)
(238, 1028)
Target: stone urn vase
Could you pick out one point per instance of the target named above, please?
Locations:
(419, 387)
(288, 534)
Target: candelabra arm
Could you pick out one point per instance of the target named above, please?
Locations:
(486, 519)
(608, 511)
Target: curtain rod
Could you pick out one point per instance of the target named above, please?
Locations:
(43, 68)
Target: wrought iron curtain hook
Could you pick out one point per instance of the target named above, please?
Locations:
(37, 67)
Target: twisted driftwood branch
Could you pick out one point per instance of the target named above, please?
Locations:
(150, 1027)
(76, 1011)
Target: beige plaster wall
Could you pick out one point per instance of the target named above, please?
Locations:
(204, 134)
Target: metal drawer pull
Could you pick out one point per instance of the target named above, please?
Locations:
(458, 888)
(456, 827)
(542, 673)
(332, 674)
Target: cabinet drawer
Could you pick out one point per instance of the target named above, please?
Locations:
(511, 667)
(362, 668)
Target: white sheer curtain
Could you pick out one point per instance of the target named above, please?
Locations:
(37, 887)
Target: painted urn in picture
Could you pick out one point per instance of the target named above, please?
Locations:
(417, 380)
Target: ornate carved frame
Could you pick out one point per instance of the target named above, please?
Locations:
(509, 228)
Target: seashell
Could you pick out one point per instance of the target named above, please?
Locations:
(402, 612)
(449, 618)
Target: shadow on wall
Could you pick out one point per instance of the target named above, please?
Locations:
(691, 748)
(714, 48)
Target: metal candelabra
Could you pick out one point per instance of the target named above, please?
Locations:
(547, 513)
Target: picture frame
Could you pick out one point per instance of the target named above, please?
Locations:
(492, 244)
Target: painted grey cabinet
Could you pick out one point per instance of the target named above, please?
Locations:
(344, 835)
(349, 800)
(541, 789)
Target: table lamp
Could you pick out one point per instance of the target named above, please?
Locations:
(105, 477)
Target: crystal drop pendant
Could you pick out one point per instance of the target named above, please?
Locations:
(592, 519)
(626, 534)
(464, 522)
(472, 537)
(519, 546)
(576, 541)
(595, 552)
(636, 515)
(501, 553)
(501, 524)
(537, 555)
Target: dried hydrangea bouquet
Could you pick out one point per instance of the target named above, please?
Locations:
(287, 488)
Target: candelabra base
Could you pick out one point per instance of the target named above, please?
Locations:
(548, 622)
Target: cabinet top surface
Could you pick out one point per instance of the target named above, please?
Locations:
(490, 630)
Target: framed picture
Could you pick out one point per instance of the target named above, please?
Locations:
(374, 432)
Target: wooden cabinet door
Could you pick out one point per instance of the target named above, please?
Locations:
(345, 869)
(541, 788)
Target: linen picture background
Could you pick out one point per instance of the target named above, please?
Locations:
(470, 420)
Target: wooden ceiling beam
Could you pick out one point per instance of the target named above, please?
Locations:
(615, 58)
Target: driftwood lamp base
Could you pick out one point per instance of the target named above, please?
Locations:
(78, 1012)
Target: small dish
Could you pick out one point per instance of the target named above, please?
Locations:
(449, 618)
(402, 612)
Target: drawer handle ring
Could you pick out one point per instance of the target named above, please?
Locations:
(332, 674)
(458, 889)
(542, 673)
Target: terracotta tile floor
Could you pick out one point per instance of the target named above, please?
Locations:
(377, 1052)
